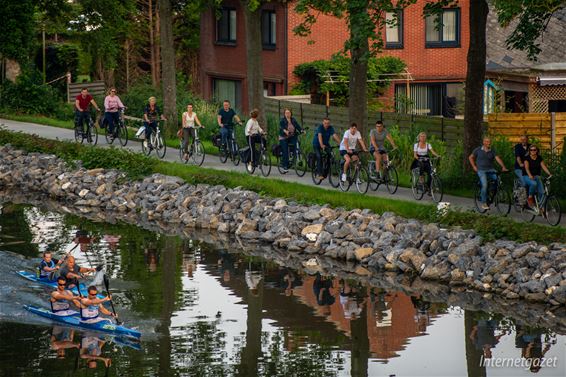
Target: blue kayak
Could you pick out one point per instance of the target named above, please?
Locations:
(33, 277)
(75, 321)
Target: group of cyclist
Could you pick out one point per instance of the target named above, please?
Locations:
(528, 162)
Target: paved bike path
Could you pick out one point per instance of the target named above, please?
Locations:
(213, 162)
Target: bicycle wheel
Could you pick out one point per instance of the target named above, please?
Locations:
(123, 134)
(417, 186)
(334, 173)
(78, 135)
(552, 211)
(436, 189)
(160, 147)
(372, 175)
(108, 135)
(345, 184)
(198, 153)
(265, 163)
(92, 136)
(235, 154)
(477, 201)
(391, 179)
(503, 201)
(362, 180)
(300, 165)
(223, 154)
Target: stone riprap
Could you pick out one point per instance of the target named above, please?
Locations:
(373, 242)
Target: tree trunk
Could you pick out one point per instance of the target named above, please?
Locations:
(252, 20)
(359, 51)
(158, 61)
(168, 67)
(473, 112)
(152, 44)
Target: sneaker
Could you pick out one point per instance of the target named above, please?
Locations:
(321, 177)
(186, 157)
(285, 170)
(484, 206)
(531, 202)
(343, 177)
(250, 166)
(145, 145)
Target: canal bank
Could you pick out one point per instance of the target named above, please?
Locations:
(372, 242)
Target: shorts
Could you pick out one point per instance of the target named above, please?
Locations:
(381, 150)
(345, 152)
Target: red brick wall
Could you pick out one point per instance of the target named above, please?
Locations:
(229, 62)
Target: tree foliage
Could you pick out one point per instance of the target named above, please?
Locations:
(17, 30)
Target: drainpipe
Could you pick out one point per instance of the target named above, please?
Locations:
(285, 50)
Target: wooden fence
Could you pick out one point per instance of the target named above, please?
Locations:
(449, 130)
(94, 88)
(549, 129)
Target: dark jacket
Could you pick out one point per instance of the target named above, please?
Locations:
(283, 126)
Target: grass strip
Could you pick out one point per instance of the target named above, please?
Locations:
(138, 166)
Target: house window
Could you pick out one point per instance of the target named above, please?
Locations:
(268, 89)
(268, 29)
(394, 29)
(226, 26)
(443, 30)
(230, 90)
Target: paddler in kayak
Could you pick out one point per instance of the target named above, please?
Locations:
(72, 271)
(91, 307)
(48, 267)
(61, 298)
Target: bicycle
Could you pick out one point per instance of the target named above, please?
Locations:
(548, 207)
(356, 174)
(264, 160)
(231, 150)
(330, 168)
(196, 150)
(155, 142)
(91, 134)
(120, 131)
(297, 160)
(496, 195)
(388, 176)
(418, 185)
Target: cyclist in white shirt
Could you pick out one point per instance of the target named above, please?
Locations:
(189, 119)
(421, 153)
(254, 134)
(348, 147)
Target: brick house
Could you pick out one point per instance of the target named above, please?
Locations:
(436, 57)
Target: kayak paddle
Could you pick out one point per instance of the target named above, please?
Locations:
(106, 283)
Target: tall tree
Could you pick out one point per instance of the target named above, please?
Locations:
(366, 21)
(169, 71)
(17, 29)
(254, 66)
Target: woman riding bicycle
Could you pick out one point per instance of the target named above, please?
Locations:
(421, 160)
(348, 147)
(189, 120)
(254, 133)
(377, 144)
(534, 164)
(289, 128)
(112, 106)
(151, 117)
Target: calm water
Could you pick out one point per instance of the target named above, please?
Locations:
(206, 311)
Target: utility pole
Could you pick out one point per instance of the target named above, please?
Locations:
(44, 65)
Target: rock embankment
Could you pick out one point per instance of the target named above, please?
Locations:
(375, 242)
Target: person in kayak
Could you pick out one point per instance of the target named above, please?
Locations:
(72, 271)
(48, 267)
(61, 298)
(91, 307)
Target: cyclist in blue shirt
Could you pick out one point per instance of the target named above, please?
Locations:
(321, 141)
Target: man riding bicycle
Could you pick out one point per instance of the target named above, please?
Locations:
(82, 109)
(348, 147)
(321, 141)
(225, 118)
(377, 144)
(482, 159)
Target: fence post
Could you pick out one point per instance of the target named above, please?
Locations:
(279, 108)
(553, 131)
(301, 107)
(442, 128)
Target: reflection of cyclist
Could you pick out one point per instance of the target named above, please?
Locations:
(377, 144)
(321, 141)
(82, 109)
(483, 336)
(348, 147)
(530, 342)
(225, 118)
(321, 289)
(482, 159)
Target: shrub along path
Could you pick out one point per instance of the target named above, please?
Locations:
(271, 188)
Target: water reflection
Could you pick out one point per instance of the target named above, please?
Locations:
(213, 311)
